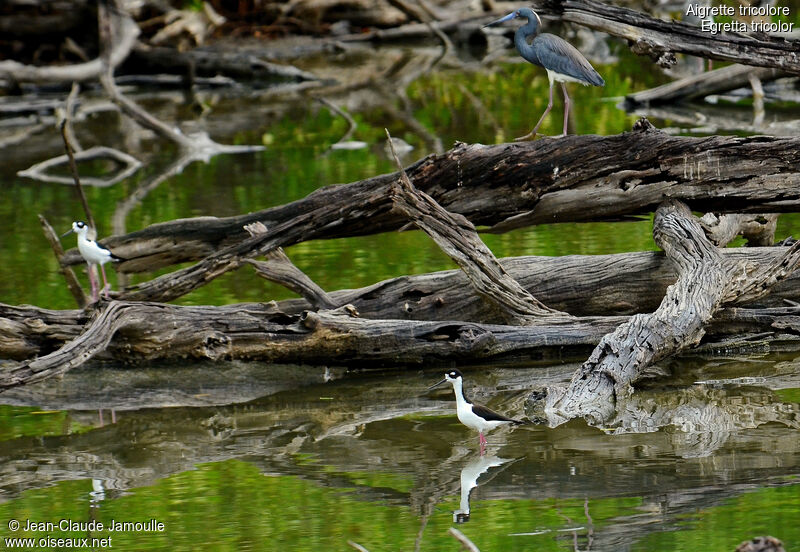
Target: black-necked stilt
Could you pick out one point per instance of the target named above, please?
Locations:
(93, 253)
(474, 416)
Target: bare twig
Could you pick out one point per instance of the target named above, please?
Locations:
(279, 268)
(73, 167)
(69, 275)
(357, 546)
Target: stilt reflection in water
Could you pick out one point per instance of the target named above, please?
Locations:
(469, 480)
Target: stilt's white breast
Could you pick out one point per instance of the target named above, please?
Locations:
(93, 253)
(467, 417)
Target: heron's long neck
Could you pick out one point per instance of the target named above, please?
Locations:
(530, 29)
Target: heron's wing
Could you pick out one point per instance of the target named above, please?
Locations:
(560, 56)
(491, 415)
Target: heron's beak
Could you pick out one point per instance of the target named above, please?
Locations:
(437, 384)
(67, 233)
(508, 17)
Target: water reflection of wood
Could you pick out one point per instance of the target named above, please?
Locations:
(295, 433)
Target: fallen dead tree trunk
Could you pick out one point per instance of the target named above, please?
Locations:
(706, 282)
(210, 63)
(695, 86)
(507, 186)
(587, 285)
(148, 331)
(459, 240)
(141, 332)
(661, 39)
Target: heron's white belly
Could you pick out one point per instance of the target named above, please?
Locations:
(560, 77)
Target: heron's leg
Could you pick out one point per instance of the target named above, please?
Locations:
(106, 287)
(532, 134)
(566, 107)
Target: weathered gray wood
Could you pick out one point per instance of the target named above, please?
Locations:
(720, 119)
(94, 340)
(705, 283)
(147, 331)
(695, 86)
(758, 230)
(140, 332)
(587, 285)
(459, 240)
(210, 63)
(659, 39)
(280, 269)
(508, 186)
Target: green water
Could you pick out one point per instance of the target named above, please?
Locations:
(253, 457)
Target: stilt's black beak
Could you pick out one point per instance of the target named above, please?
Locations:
(67, 233)
(437, 384)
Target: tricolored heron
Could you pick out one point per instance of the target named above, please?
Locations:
(93, 253)
(564, 63)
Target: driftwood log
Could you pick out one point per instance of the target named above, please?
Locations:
(713, 82)
(147, 331)
(143, 332)
(126, 31)
(457, 237)
(706, 282)
(587, 285)
(503, 187)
